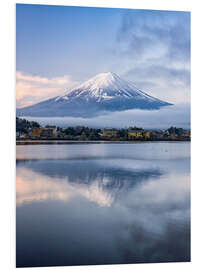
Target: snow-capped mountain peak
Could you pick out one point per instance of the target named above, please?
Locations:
(105, 86)
(101, 80)
(104, 93)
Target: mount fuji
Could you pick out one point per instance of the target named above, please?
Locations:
(104, 93)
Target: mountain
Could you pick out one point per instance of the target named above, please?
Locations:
(104, 93)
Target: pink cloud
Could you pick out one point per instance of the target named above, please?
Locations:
(32, 89)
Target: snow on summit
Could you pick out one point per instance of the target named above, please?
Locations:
(105, 86)
(104, 93)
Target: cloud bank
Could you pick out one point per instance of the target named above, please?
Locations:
(156, 49)
(177, 115)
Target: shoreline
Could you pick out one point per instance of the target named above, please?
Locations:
(40, 142)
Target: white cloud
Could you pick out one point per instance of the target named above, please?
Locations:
(157, 48)
(176, 115)
(32, 89)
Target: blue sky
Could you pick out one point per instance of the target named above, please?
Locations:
(58, 47)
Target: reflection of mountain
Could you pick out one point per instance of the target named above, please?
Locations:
(86, 171)
(60, 179)
(148, 220)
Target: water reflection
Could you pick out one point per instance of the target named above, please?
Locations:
(104, 210)
(95, 180)
(139, 151)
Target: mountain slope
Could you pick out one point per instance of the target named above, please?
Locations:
(106, 92)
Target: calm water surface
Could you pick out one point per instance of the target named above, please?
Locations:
(102, 203)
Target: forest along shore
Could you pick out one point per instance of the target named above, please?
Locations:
(27, 131)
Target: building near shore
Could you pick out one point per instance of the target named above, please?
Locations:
(46, 132)
(147, 134)
(138, 134)
(20, 135)
(49, 131)
(134, 134)
(109, 133)
(36, 132)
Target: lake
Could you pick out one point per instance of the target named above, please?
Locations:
(86, 204)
